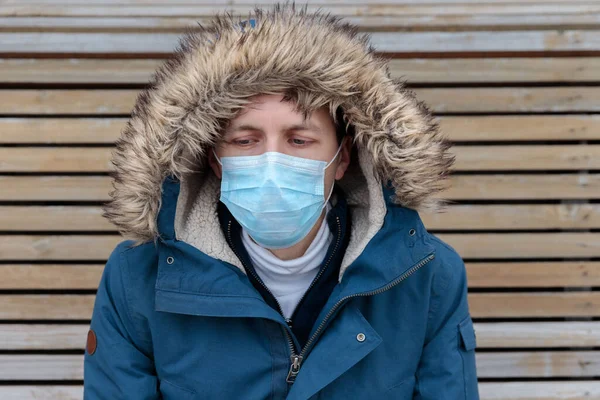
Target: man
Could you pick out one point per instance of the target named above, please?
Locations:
(270, 179)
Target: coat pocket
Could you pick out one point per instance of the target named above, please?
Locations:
(467, 345)
(172, 391)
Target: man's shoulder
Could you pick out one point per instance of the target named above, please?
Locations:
(131, 268)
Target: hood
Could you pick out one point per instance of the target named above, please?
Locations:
(178, 117)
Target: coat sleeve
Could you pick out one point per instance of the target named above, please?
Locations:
(447, 369)
(115, 366)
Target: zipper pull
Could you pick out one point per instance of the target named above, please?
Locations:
(294, 368)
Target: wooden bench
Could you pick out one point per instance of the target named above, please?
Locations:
(514, 84)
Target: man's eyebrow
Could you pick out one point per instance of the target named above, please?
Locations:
(244, 127)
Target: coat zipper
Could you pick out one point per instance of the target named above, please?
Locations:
(296, 359)
(289, 338)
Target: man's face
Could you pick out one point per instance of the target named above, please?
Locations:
(268, 124)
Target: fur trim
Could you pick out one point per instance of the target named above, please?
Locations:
(179, 115)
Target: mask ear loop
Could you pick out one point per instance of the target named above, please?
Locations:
(217, 157)
(328, 164)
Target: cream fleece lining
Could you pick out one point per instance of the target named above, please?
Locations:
(196, 219)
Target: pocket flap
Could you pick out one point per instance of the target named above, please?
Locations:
(467, 333)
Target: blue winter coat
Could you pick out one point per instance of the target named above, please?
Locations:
(176, 316)
(171, 322)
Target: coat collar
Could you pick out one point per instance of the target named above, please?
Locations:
(192, 282)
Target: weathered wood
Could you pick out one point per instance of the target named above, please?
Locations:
(61, 130)
(489, 335)
(524, 245)
(41, 392)
(462, 187)
(468, 245)
(57, 247)
(50, 276)
(536, 304)
(467, 217)
(384, 42)
(523, 187)
(554, 390)
(368, 23)
(537, 334)
(533, 274)
(55, 188)
(468, 158)
(458, 128)
(413, 70)
(513, 216)
(441, 100)
(482, 305)
(513, 364)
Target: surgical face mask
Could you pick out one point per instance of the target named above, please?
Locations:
(276, 197)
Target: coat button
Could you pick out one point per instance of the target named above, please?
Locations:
(170, 260)
(361, 337)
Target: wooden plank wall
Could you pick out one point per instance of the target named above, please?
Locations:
(515, 85)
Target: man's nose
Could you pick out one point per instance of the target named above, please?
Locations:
(274, 144)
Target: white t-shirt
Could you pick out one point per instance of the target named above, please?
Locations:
(288, 280)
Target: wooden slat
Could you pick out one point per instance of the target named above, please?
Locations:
(523, 187)
(520, 157)
(464, 217)
(121, 101)
(457, 128)
(223, 3)
(468, 245)
(555, 390)
(50, 276)
(516, 99)
(524, 245)
(55, 188)
(512, 217)
(57, 247)
(538, 304)
(521, 127)
(472, 70)
(393, 42)
(188, 9)
(79, 101)
(41, 367)
(462, 187)
(42, 337)
(489, 335)
(60, 130)
(56, 159)
(46, 307)
(388, 23)
(468, 158)
(48, 218)
(414, 70)
(480, 275)
(534, 274)
(514, 364)
(537, 334)
(545, 364)
(41, 392)
(482, 305)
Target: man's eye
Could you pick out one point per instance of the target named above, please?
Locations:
(243, 142)
(298, 142)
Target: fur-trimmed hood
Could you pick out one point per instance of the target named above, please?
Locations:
(178, 117)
